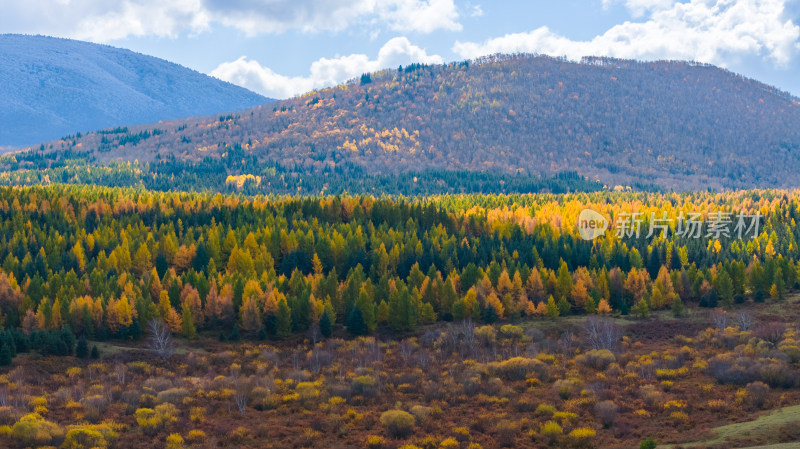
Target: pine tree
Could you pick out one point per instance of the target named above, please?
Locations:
(187, 324)
(355, 322)
(5, 355)
(489, 314)
(552, 308)
(283, 322)
(367, 308)
(325, 324)
(563, 282)
(235, 336)
(603, 308)
(95, 352)
(383, 313)
(402, 316)
(678, 309)
(725, 288)
(641, 308)
(82, 350)
(563, 306)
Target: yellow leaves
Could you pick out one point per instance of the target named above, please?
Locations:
(240, 180)
(350, 146)
(119, 313)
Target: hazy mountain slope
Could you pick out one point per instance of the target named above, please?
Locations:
(52, 87)
(676, 124)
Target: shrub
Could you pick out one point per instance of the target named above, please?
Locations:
(174, 441)
(565, 417)
(197, 414)
(679, 417)
(511, 332)
(364, 385)
(397, 422)
(506, 432)
(94, 406)
(421, 413)
(518, 368)
(449, 443)
(566, 387)
(599, 359)
(545, 410)
(582, 437)
(757, 393)
(649, 443)
(461, 433)
(84, 438)
(172, 395)
(606, 412)
(196, 436)
(551, 430)
(375, 442)
(151, 421)
(33, 429)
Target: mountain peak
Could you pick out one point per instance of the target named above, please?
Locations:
(50, 87)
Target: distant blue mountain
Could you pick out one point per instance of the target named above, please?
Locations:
(52, 87)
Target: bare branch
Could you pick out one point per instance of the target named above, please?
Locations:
(160, 339)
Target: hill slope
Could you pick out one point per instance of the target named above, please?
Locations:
(51, 87)
(675, 124)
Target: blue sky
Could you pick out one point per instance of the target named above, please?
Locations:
(282, 48)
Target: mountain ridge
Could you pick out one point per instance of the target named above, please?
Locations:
(52, 87)
(676, 124)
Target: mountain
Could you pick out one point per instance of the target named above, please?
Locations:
(476, 125)
(52, 87)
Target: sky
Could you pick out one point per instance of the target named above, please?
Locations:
(283, 48)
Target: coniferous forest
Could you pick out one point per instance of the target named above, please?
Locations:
(445, 321)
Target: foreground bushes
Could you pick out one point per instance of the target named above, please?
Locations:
(397, 423)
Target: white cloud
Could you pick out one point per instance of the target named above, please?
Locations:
(106, 21)
(259, 17)
(323, 72)
(701, 30)
(638, 8)
(103, 21)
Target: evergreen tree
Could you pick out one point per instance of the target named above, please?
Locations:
(402, 316)
(235, 335)
(5, 355)
(135, 330)
(187, 324)
(82, 350)
(563, 306)
(678, 309)
(489, 315)
(641, 308)
(563, 282)
(325, 324)
(95, 352)
(355, 322)
(366, 306)
(552, 308)
(725, 288)
(283, 322)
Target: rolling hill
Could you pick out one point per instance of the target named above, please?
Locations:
(52, 87)
(675, 125)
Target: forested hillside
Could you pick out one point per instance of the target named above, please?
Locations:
(52, 87)
(675, 124)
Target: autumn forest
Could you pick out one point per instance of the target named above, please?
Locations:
(453, 321)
